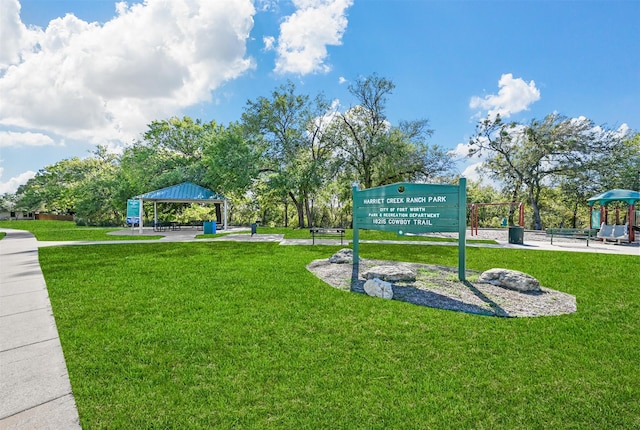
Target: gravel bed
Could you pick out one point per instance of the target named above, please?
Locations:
(438, 287)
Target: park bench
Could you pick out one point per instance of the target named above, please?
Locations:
(161, 225)
(574, 233)
(192, 224)
(615, 233)
(197, 224)
(326, 232)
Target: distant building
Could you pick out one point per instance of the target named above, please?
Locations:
(16, 215)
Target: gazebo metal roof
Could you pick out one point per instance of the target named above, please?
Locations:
(628, 196)
(186, 192)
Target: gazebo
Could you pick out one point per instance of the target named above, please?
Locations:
(628, 196)
(186, 192)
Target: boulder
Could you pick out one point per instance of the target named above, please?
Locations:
(391, 273)
(511, 279)
(378, 288)
(344, 256)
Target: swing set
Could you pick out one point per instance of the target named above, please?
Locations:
(475, 214)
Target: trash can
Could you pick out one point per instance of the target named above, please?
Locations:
(209, 227)
(516, 234)
(254, 228)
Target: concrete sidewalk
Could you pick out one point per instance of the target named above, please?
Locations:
(35, 392)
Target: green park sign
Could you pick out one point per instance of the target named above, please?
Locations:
(408, 208)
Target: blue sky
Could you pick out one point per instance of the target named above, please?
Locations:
(74, 74)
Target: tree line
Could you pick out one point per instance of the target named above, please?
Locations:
(291, 159)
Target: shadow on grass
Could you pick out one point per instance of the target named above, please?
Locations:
(421, 297)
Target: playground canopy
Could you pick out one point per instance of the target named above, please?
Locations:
(186, 192)
(628, 196)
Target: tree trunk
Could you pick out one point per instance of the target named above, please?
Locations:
(299, 209)
(575, 215)
(286, 214)
(309, 212)
(537, 221)
(218, 213)
(513, 208)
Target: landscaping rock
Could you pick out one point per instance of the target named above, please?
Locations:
(378, 288)
(511, 279)
(391, 273)
(344, 256)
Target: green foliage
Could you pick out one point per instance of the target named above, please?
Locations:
(620, 167)
(244, 336)
(196, 212)
(373, 152)
(231, 161)
(297, 150)
(529, 158)
(170, 153)
(293, 158)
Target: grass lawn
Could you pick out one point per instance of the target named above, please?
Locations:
(241, 335)
(69, 231)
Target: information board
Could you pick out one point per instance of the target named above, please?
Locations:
(408, 208)
(413, 208)
(133, 211)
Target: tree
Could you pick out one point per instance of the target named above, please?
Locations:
(54, 188)
(296, 149)
(181, 143)
(98, 200)
(87, 188)
(619, 166)
(231, 160)
(540, 153)
(8, 202)
(372, 151)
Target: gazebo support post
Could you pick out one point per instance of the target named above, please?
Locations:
(140, 220)
(226, 209)
(632, 210)
(155, 214)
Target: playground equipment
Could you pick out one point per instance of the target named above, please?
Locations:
(475, 217)
(628, 196)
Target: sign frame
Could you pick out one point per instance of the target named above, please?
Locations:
(134, 211)
(412, 208)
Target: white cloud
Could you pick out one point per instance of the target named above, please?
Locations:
(11, 186)
(305, 35)
(266, 5)
(515, 95)
(470, 167)
(15, 38)
(461, 151)
(269, 43)
(13, 138)
(99, 83)
(472, 173)
(342, 80)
